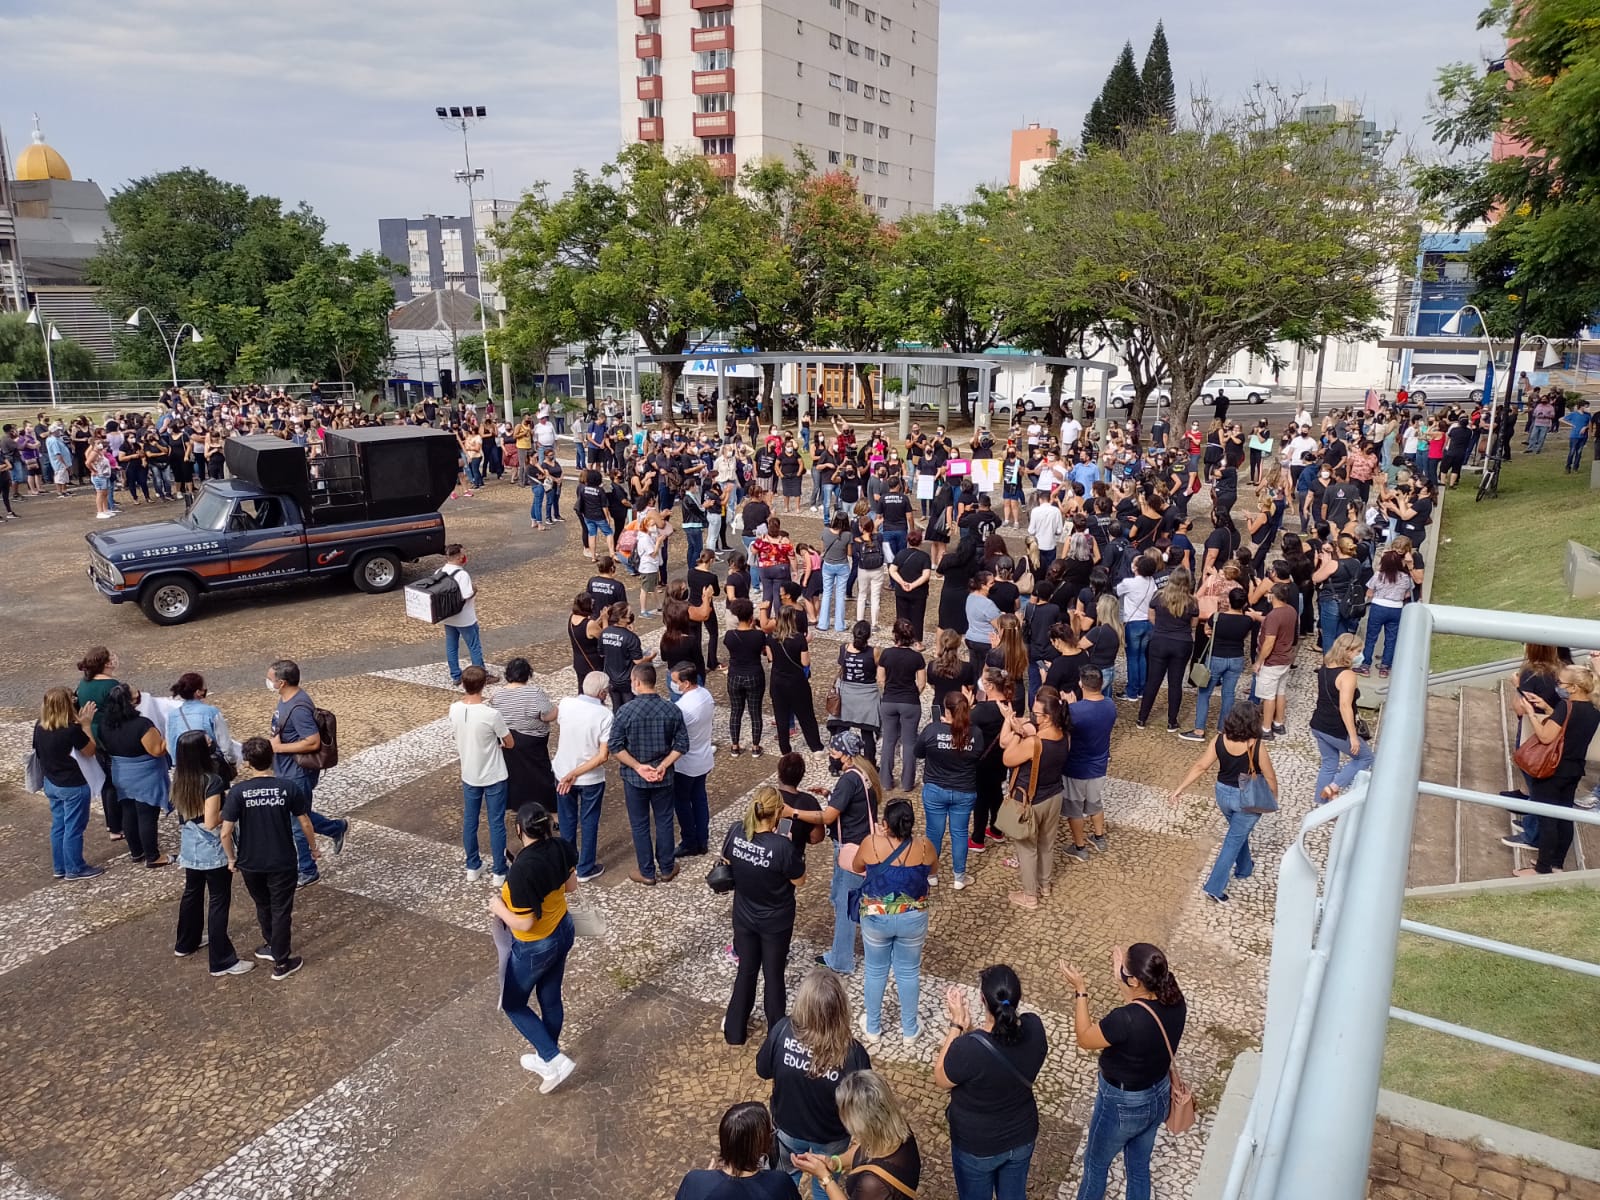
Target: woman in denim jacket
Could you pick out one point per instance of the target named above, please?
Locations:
(196, 794)
(196, 712)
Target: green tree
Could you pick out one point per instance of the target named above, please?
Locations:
(1121, 106)
(1176, 253)
(1097, 127)
(330, 319)
(184, 243)
(1542, 194)
(771, 309)
(652, 246)
(22, 354)
(1156, 85)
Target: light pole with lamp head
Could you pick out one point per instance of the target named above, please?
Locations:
(1453, 327)
(50, 333)
(170, 344)
(461, 117)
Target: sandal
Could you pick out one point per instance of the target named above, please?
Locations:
(164, 861)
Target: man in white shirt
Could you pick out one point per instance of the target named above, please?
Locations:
(1035, 431)
(689, 780)
(463, 626)
(1045, 526)
(1071, 431)
(1051, 475)
(544, 432)
(482, 738)
(580, 768)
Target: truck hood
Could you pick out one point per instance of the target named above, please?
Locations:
(122, 545)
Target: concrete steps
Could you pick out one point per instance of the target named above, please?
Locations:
(1484, 759)
(1434, 838)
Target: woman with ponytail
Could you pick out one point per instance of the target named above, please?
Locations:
(1037, 754)
(766, 869)
(1135, 1090)
(894, 916)
(951, 748)
(989, 1067)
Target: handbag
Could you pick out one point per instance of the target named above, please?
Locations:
(587, 919)
(1539, 760)
(1200, 670)
(833, 703)
(1180, 1108)
(33, 772)
(1255, 793)
(720, 878)
(1016, 818)
(875, 1169)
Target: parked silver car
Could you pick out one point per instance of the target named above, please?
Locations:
(1234, 388)
(1444, 387)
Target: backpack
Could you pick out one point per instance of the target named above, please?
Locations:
(1119, 559)
(326, 755)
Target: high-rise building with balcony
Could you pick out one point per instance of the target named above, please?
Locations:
(852, 83)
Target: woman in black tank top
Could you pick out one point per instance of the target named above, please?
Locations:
(583, 633)
(1237, 752)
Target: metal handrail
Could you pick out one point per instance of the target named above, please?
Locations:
(1495, 1041)
(1516, 804)
(1474, 942)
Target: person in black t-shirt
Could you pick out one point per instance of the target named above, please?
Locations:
(747, 676)
(1226, 638)
(620, 652)
(56, 735)
(257, 840)
(605, 587)
(1137, 1042)
(740, 1171)
(766, 870)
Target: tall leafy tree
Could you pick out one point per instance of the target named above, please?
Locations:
(330, 319)
(1541, 259)
(1157, 89)
(184, 243)
(1121, 104)
(22, 353)
(771, 307)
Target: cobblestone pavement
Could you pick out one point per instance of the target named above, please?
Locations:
(382, 1070)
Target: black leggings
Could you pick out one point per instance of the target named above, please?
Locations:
(793, 699)
(1170, 657)
(1555, 837)
(766, 951)
(991, 790)
(139, 827)
(913, 607)
(746, 691)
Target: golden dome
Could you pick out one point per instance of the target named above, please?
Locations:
(40, 161)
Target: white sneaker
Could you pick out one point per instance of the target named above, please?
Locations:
(560, 1067)
(242, 967)
(104, 516)
(867, 1039)
(498, 881)
(933, 881)
(911, 1039)
(532, 1062)
(474, 874)
(961, 881)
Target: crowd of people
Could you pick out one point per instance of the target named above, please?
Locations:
(1075, 588)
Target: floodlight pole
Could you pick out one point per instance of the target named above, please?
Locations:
(461, 118)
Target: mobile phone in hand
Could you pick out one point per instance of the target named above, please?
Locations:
(786, 826)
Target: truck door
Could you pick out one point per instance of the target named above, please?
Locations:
(263, 542)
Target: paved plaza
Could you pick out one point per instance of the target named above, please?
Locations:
(383, 1069)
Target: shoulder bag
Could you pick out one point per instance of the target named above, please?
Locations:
(1539, 760)
(1255, 793)
(1200, 670)
(1016, 818)
(983, 1039)
(875, 1169)
(33, 772)
(853, 906)
(1180, 1109)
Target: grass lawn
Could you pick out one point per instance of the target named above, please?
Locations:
(1542, 1006)
(1510, 553)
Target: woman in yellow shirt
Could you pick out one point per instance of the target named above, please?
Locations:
(532, 904)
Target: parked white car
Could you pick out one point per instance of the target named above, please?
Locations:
(1234, 387)
(1122, 397)
(1444, 388)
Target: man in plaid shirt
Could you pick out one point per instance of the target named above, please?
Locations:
(647, 736)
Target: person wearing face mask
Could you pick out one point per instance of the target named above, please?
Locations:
(1137, 1041)
(1334, 726)
(295, 732)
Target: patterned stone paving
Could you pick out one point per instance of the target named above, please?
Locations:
(382, 1069)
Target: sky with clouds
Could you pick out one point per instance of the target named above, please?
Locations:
(331, 101)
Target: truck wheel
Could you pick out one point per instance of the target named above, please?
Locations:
(169, 601)
(377, 572)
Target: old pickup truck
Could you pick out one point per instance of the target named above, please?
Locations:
(361, 508)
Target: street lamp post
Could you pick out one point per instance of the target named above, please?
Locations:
(50, 333)
(170, 344)
(462, 117)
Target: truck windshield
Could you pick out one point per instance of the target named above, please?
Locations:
(210, 511)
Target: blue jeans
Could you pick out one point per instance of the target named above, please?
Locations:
(1234, 856)
(693, 812)
(325, 826)
(474, 798)
(942, 806)
(534, 970)
(1001, 1176)
(894, 541)
(1225, 673)
(1536, 437)
(1329, 623)
(454, 635)
(1575, 452)
(596, 528)
(643, 804)
(579, 814)
(830, 497)
(893, 940)
(1332, 749)
(552, 502)
(1122, 1123)
(834, 578)
(1379, 618)
(694, 538)
(1136, 640)
(789, 1146)
(841, 956)
(69, 817)
(536, 512)
(475, 472)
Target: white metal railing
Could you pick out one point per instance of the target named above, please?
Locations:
(119, 394)
(1336, 930)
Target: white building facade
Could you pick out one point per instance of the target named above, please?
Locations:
(853, 84)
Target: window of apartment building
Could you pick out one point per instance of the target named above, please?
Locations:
(850, 124)
(872, 55)
(883, 98)
(850, 85)
(451, 252)
(849, 160)
(836, 3)
(1344, 358)
(883, 60)
(799, 68)
(885, 24)
(851, 7)
(883, 131)
(834, 80)
(869, 91)
(799, 109)
(866, 128)
(833, 158)
(853, 48)
(715, 103)
(868, 164)
(913, 70)
(913, 33)
(649, 67)
(417, 253)
(652, 25)
(799, 26)
(833, 119)
(872, 17)
(868, 200)
(715, 18)
(716, 145)
(715, 60)
(652, 108)
(835, 41)
(883, 168)
(883, 202)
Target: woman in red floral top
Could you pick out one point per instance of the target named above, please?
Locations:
(773, 552)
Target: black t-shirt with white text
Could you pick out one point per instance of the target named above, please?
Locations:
(620, 648)
(764, 870)
(606, 590)
(261, 809)
(896, 507)
(803, 1106)
(949, 766)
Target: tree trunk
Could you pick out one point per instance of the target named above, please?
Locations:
(1058, 379)
(965, 379)
(769, 382)
(670, 372)
(864, 377)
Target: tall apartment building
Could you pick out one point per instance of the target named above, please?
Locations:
(852, 83)
(439, 252)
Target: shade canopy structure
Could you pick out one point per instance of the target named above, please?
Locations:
(984, 365)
